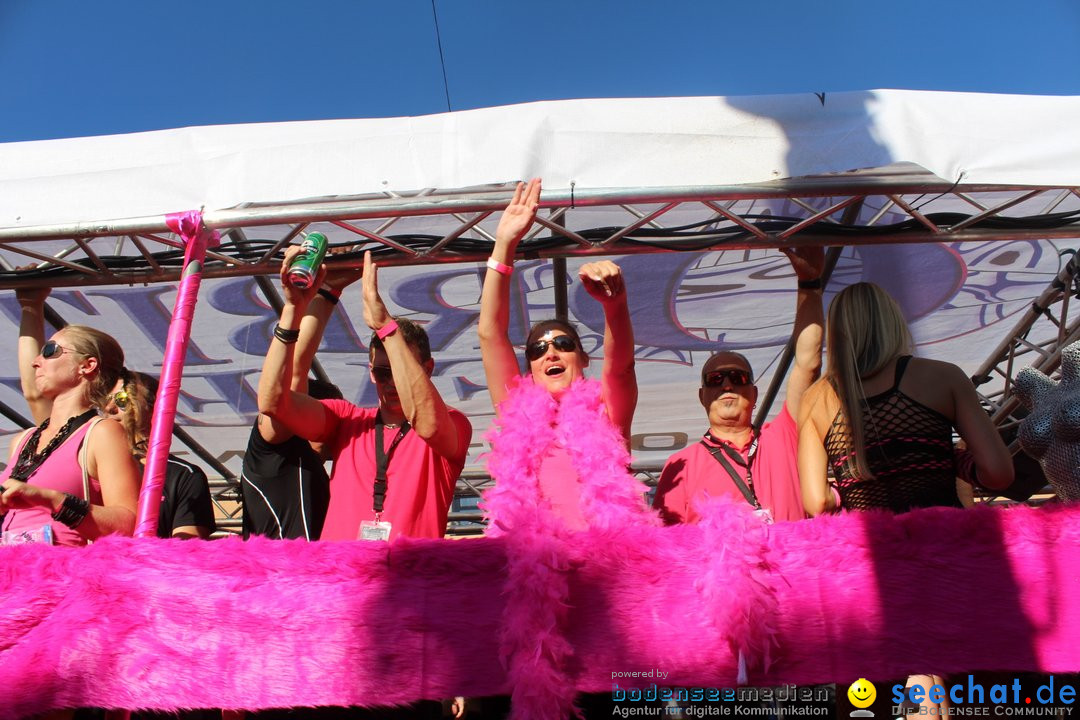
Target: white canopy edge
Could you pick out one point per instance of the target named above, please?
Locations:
(587, 144)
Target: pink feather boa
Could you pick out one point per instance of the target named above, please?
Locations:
(533, 643)
(531, 421)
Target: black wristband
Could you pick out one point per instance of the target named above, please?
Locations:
(329, 296)
(814, 284)
(286, 336)
(72, 512)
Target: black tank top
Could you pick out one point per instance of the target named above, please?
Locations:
(284, 489)
(908, 448)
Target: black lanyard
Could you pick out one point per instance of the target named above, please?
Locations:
(746, 488)
(382, 461)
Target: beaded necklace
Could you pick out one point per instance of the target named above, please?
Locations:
(30, 459)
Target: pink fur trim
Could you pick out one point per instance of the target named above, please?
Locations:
(168, 625)
(735, 585)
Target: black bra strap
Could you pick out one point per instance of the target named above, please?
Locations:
(901, 366)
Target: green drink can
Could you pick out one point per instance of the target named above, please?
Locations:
(305, 267)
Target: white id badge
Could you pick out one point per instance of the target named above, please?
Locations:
(765, 515)
(374, 530)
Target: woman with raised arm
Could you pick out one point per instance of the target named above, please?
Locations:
(559, 436)
(558, 456)
(72, 472)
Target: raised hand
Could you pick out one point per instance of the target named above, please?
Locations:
(518, 216)
(808, 262)
(339, 277)
(603, 280)
(375, 313)
(33, 297)
(342, 277)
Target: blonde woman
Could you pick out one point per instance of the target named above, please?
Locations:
(50, 471)
(883, 420)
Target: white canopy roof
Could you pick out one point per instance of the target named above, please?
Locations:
(594, 144)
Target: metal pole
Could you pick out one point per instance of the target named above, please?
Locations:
(376, 206)
(744, 242)
(562, 309)
(14, 416)
(182, 435)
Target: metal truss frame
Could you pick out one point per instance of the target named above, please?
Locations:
(898, 204)
(1036, 341)
(816, 211)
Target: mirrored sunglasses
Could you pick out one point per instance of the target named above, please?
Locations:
(122, 399)
(53, 349)
(562, 343)
(736, 377)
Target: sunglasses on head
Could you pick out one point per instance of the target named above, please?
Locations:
(562, 343)
(735, 376)
(382, 374)
(121, 399)
(53, 349)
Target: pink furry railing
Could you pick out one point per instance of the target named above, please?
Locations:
(166, 624)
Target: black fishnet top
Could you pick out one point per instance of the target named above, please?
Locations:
(909, 450)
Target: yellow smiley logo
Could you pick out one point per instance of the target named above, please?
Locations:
(862, 693)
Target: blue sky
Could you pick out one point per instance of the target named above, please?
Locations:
(77, 68)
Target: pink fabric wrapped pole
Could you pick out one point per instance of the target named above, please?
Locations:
(197, 237)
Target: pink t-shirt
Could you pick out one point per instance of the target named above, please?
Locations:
(60, 471)
(419, 483)
(692, 473)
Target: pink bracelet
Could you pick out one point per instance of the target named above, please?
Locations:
(387, 330)
(500, 268)
(836, 496)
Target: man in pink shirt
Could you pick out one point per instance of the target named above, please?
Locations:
(395, 465)
(758, 466)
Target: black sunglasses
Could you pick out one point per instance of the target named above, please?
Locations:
(382, 374)
(736, 377)
(53, 349)
(562, 343)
